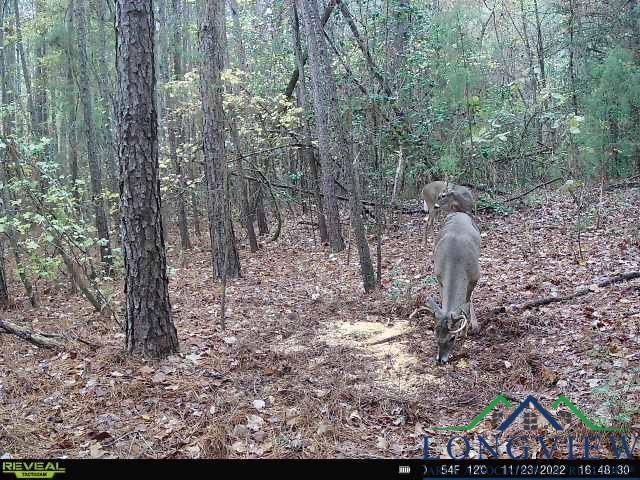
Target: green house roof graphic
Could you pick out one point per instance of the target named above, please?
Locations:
(530, 402)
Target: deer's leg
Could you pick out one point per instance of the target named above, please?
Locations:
(474, 321)
(472, 314)
(429, 225)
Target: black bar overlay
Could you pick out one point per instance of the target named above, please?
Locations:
(63, 469)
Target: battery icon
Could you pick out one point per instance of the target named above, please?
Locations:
(404, 469)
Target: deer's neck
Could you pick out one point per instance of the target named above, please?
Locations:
(454, 289)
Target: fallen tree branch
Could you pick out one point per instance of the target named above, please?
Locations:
(581, 291)
(544, 184)
(617, 186)
(44, 340)
(483, 188)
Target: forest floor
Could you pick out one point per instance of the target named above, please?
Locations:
(300, 370)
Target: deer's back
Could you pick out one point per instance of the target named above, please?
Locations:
(458, 247)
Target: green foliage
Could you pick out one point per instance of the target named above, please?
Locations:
(43, 215)
(610, 136)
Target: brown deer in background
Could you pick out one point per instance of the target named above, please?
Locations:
(444, 196)
(430, 194)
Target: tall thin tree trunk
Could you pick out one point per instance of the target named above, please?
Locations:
(193, 172)
(247, 212)
(6, 131)
(303, 99)
(328, 122)
(106, 96)
(357, 223)
(150, 329)
(40, 83)
(247, 216)
(541, 66)
(72, 111)
(95, 169)
(212, 47)
(7, 67)
(532, 74)
(175, 130)
(324, 98)
(25, 70)
(261, 215)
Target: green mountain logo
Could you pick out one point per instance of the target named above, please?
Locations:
(532, 403)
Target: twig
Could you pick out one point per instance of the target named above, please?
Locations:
(388, 339)
(416, 311)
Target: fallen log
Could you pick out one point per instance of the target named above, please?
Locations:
(44, 340)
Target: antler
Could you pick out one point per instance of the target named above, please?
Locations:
(465, 320)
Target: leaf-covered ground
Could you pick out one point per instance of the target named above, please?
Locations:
(307, 366)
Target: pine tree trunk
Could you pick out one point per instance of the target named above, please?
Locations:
(7, 67)
(324, 98)
(149, 325)
(247, 212)
(6, 130)
(261, 216)
(72, 134)
(357, 223)
(193, 173)
(106, 94)
(338, 147)
(25, 69)
(175, 131)
(303, 99)
(95, 170)
(212, 45)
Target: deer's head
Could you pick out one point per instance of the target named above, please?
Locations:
(448, 326)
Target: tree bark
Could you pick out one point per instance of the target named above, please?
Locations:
(36, 338)
(72, 133)
(295, 76)
(8, 66)
(307, 151)
(106, 94)
(357, 222)
(212, 46)
(25, 68)
(247, 212)
(261, 215)
(95, 170)
(149, 326)
(175, 131)
(6, 131)
(324, 92)
(40, 83)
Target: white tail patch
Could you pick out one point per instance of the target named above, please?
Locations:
(425, 208)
